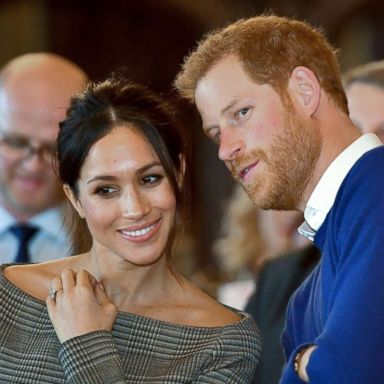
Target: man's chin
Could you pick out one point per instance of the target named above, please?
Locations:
(28, 209)
(268, 199)
(31, 206)
(256, 195)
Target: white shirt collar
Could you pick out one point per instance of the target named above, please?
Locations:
(53, 221)
(6, 220)
(323, 196)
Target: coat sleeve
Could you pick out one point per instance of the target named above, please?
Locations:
(91, 359)
(235, 358)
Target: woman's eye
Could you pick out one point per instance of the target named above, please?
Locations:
(152, 179)
(216, 137)
(105, 191)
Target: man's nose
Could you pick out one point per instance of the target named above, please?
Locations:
(35, 159)
(231, 144)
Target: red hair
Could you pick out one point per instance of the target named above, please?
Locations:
(269, 47)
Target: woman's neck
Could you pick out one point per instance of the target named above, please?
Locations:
(130, 285)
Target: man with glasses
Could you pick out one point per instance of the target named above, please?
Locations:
(35, 90)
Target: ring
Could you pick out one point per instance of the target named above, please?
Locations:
(53, 293)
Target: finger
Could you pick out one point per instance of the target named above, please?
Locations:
(83, 278)
(68, 279)
(56, 283)
(50, 305)
(93, 281)
(101, 295)
(51, 308)
(86, 281)
(55, 288)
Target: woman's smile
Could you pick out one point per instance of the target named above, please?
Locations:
(142, 233)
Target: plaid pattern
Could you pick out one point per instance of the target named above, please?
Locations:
(138, 350)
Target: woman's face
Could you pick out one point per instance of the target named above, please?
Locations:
(125, 197)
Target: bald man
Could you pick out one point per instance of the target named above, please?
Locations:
(35, 90)
(364, 86)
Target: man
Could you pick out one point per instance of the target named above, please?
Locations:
(269, 92)
(280, 277)
(364, 86)
(35, 90)
(276, 281)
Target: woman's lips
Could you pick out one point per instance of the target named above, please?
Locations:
(142, 233)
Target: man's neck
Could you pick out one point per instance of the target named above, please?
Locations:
(22, 216)
(332, 145)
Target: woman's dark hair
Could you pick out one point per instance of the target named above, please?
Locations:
(112, 103)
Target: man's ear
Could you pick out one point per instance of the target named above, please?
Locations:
(74, 200)
(304, 90)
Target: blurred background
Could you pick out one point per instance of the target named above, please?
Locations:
(150, 38)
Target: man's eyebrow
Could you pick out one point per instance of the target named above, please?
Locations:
(222, 112)
(228, 106)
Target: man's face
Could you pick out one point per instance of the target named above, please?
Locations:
(366, 107)
(28, 184)
(270, 150)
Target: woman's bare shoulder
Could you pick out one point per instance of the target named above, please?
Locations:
(206, 311)
(35, 279)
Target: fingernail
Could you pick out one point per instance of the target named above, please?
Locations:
(101, 287)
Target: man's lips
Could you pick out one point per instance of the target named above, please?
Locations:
(30, 183)
(246, 170)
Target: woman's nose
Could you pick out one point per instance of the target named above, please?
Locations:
(135, 204)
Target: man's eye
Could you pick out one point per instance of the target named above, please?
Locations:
(16, 142)
(242, 112)
(51, 148)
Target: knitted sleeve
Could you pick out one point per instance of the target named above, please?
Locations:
(351, 341)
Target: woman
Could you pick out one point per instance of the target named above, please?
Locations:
(119, 313)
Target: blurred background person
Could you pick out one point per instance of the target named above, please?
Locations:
(238, 250)
(35, 90)
(364, 86)
(250, 237)
(263, 260)
(276, 281)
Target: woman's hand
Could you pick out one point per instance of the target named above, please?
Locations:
(79, 305)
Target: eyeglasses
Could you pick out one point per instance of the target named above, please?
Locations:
(20, 148)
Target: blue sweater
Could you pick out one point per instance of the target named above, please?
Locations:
(340, 307)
